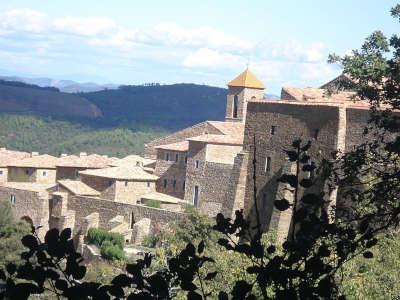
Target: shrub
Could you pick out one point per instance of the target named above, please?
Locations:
(111, 252)
(149, 241)
(98, 236)
(152, 203)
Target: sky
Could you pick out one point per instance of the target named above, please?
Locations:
(285, 43)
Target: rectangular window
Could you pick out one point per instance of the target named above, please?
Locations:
(44, 173)
(197, 164)
(273, 130)
(76, 174)
(167, 156)
(165, 183)
(267, 166)
(316, 132)
(126, 183)
(27, 172)
(110, 183)
(195, 195)
(1, 172)
(184, 185)
(12, 199)
(185, 159)
(148, 184)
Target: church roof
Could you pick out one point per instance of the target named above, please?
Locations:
(247, 79)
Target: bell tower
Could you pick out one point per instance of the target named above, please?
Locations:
(240, 90)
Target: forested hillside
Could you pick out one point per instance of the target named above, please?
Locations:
(46, 135)
(17, 97)
(169, 106)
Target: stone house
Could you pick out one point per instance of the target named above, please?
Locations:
(120, 184)
(36, 168)
(68, 166)
(334, 123)
(201, 164)
(8, 157)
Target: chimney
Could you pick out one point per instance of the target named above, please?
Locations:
(63, 155)
(82, 154)
(34, 154)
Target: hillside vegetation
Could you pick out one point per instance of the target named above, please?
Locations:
(169, 106)
(46, 135)
(16, 97)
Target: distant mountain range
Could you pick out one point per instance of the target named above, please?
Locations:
(67, 86)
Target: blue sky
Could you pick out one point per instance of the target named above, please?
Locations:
(132, 42)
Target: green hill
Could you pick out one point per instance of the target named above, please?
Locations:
(46, 135)
(17, 97)
(168, 106)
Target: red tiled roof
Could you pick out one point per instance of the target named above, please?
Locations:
(44, 161)
(8, 157)
(180, 146)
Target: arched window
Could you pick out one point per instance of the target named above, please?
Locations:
(235, 106)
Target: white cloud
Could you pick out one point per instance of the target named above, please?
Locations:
(201, 49)
(208, 58)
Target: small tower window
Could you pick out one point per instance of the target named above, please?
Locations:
(184, 185)
(12, 199)
(235, 106)
(185, 159)
(267, 166)
(273, 130)
(197, 164)
(316, 132)
(165, 183)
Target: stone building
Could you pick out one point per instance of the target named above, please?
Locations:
(8, 157)
(201, 164)
(334, 123)
(37, 169)
(68, 166)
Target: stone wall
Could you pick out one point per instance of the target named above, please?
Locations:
(84, 206)
(103, 185)
(174, 172)
(179, 136)
(291, 121)
(213, 180)
(130, 191)
(68, 173)
(3, 174)
(222, 153)
(29, 205)
(16, 174)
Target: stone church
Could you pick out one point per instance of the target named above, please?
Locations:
(210, 164)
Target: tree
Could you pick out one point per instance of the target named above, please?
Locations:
(11, 232)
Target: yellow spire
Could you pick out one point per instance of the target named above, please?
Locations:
(247, 79)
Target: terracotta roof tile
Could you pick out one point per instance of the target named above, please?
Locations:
(92, 161)
(8, 157)
(180, 146)
(316, 95)
(247, 79)
(132, 160)
(218, 139)
(78, 188)
(228, 128)
(44, 161)
(121, 173)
